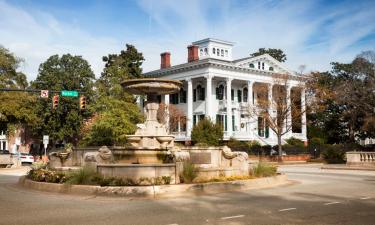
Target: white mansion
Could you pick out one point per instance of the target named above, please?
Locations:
(222, 89)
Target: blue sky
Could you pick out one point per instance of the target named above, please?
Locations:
(312, 33)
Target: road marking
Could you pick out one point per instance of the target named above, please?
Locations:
(331, 203)
(364, 198)
(231, 217)
(287, 209)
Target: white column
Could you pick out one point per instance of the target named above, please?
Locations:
(189, 116)
(270, 108)
(208, 99)
(303, 110)
(166, 102)
(229, 107)
(250, 93)
(251, 107)
(288, 122)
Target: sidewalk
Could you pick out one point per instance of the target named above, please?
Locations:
(18, 171)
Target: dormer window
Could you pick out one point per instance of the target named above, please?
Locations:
(205, 51)
(262, 65)
(218, 52)
(222, 52)
(258, 65)
(271, 68)
(213, 51)
(251, 65)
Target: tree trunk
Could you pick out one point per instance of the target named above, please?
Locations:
(280, 158)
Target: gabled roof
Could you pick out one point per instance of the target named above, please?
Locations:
(266, 57)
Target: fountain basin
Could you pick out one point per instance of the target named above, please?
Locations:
(146, 86)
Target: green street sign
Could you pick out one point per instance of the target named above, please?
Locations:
(66, 93)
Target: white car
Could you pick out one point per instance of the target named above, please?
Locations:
(26, 158)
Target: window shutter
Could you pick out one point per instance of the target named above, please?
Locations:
(194, 95)
(203, 94)
(217, 93)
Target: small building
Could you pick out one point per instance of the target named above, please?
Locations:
(222, 89)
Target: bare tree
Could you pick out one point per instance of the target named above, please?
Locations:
(171, 116)
(278, 106)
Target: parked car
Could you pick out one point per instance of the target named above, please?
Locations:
(26, 158)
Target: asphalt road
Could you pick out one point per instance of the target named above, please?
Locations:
(315, 197)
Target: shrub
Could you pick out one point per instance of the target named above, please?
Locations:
(85, 175)
(237, 145)
(189, 173)
(207, 132)
(264, 170)
(295, 142)
(39, 165)
(333, 154)
(44, 175)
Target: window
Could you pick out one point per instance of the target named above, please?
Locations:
(183, 123)
(233, 125)
(222, 52)
(197, 118)
(262, 65)
(205, 51)
(174, 98)
(226, 53)
(271, 68)
(263, 127)
(158, 98)
(201, 52)
(213, 50)
(200, 93)
(194, 95)
(218, 52)
(245, 92)
(239, 95)
(251, 65)
(182, 96)
(220, 92)
(232, 94)
(222, 120)
(258, 65)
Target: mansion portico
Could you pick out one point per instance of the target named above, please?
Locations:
(223, 89)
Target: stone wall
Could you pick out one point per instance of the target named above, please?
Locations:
(138, 171)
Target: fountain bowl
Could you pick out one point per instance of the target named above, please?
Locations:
(146, 86)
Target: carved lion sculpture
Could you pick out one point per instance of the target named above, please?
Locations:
(102, 156)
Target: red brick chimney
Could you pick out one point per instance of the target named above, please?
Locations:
(192, 53)
(165, 60)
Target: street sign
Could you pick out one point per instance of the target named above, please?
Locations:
(66, 93)
(45, 140)
(44, 93)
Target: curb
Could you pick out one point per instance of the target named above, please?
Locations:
(157, 191)
(347, 168)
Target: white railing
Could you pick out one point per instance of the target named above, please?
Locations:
(360, 158)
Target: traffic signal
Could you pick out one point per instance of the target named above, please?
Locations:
(55, 101)
(82, 102)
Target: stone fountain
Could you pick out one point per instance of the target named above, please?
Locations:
(151, 143)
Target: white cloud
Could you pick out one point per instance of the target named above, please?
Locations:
(308, 33)
(289, 25)
(35, 37)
